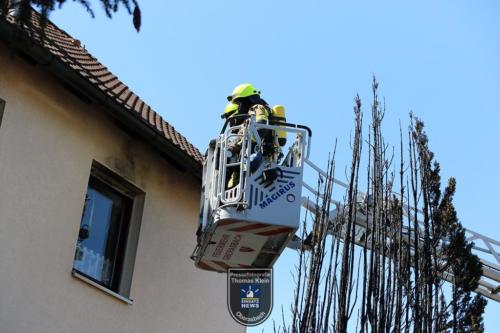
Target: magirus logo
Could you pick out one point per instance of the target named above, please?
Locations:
(269, 199)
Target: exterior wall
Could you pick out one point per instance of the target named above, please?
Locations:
(48, 139)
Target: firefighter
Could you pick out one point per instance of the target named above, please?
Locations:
(245, 96)
(234, 145)
(245, 99)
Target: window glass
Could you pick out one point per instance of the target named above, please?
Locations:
(102, 235)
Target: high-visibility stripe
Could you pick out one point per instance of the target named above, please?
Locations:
(225, 222)
(221, 264)
(233, 225)
(250, 227)
(275, 232)
(246, 249)
(203, 265)
(261, 229)
(264, 229)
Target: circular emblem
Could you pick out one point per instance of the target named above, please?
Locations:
(290, 198)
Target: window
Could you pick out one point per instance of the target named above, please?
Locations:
(109, 229)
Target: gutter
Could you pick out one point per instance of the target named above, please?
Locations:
(125, 118)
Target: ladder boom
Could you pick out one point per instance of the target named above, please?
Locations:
(486, 248)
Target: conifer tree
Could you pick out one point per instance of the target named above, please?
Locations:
(449, 249)
(394, 281)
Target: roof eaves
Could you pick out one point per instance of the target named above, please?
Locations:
(148, 124)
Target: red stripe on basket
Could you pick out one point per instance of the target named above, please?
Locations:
(226, 222)
(201, 264)
(246, 249)
(250, 227)
(275, 232)
(221, 264)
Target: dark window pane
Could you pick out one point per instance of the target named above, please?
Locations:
(102, 234)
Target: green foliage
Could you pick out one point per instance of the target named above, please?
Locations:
(471, 314)
(450, 245)
(412, 243)
(23, 8)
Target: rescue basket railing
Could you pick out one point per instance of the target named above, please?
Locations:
(239, 162)
(243, 166)
(232, 165)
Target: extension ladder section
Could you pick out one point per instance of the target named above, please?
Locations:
(486, 248)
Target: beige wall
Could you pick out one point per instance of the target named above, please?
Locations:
(48, 139)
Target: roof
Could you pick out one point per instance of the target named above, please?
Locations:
(77, 59)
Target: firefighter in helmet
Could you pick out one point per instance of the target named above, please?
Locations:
(246, 99)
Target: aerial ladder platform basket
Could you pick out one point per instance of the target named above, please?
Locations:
(247, 224)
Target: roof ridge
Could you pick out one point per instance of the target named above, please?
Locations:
(80, 61)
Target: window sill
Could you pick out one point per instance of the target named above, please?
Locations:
(79, 276)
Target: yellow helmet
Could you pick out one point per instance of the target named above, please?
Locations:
(230, 109)
(243, 90)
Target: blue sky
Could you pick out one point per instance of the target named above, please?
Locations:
(437, 58)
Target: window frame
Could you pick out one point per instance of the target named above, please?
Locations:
(2, 108)
(126, 244)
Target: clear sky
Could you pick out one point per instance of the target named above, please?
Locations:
(437, 58)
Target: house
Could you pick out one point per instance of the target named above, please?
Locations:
(98, 203)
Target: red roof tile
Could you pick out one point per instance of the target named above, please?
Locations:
(69, 50)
